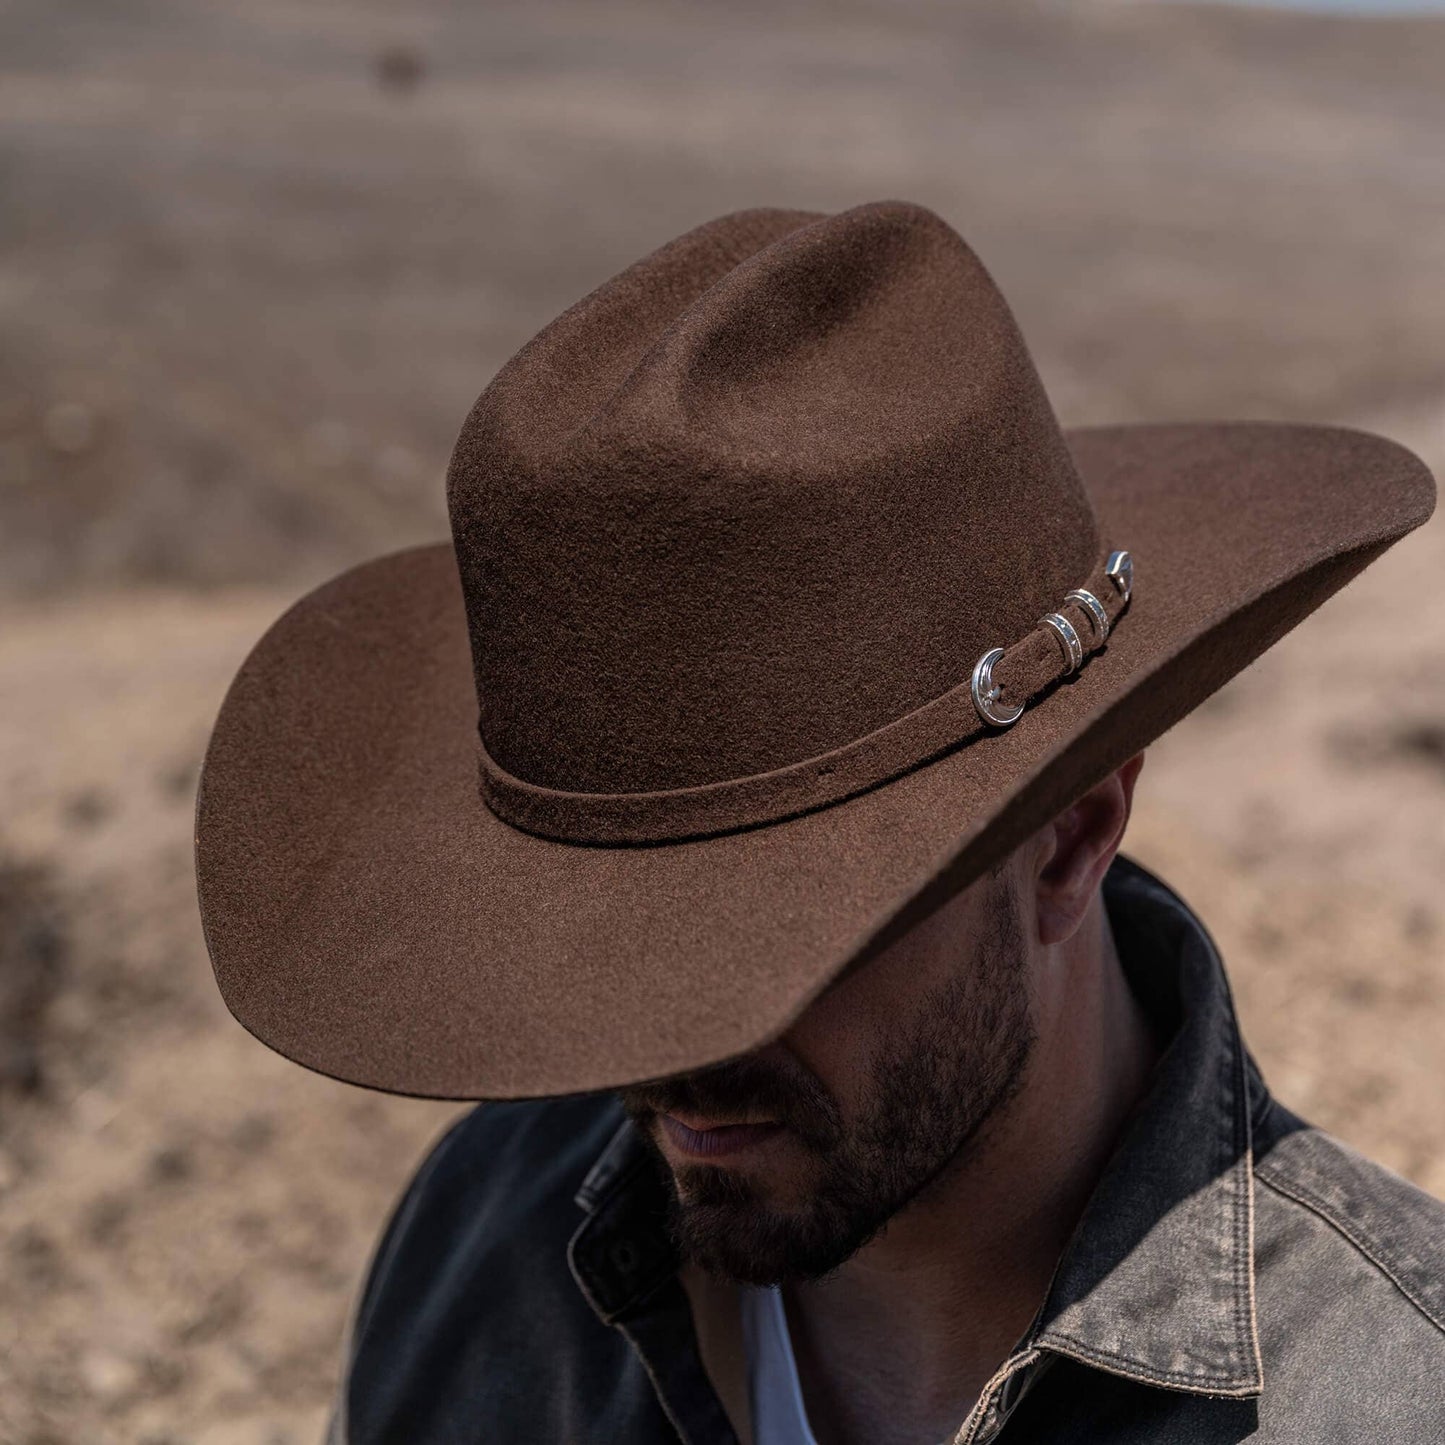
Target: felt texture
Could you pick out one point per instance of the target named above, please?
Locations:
(721, 518)
(695, 539)
(1024, 670)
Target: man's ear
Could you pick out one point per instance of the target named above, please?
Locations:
(1075, 851)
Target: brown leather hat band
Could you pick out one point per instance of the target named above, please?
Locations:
(994, 697)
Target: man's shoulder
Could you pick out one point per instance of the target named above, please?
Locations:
(469, 1302)
(515, 1156)
(1334, 1225)
(494, 1201)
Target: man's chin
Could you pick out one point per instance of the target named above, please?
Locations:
(764, 1222)
(750, 1249)
(749, 1240)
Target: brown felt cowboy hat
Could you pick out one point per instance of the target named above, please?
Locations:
(777, 607)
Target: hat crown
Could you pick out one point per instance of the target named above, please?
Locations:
(769, 489)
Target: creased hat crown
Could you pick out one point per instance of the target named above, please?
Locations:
(769, 489)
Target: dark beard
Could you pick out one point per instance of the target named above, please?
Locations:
(936, 1081)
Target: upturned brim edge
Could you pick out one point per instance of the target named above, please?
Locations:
(368, 917)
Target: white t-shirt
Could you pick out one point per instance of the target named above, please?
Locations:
(776, 1398)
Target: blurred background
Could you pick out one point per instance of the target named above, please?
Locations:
(256, 261)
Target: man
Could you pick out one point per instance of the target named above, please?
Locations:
(743, 784)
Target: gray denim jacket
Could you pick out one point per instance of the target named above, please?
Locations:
(1236, 1275)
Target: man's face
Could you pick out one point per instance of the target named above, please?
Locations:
(787, 1161)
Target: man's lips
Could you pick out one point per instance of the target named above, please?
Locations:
(703, 1139)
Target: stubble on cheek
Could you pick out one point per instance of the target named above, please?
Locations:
(745, 1225)
(934, 1082)
(738, 1220)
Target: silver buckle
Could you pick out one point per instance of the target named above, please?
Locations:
(986, 692)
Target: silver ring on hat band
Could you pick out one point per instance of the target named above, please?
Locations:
(1099, 619)
(986, 692)
(1068, 640)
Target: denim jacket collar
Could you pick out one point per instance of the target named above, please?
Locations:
(622, 1252)
(1157, 1283)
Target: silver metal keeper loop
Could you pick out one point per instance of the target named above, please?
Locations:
(1069, 640)
(986, 693)
(1098, 618)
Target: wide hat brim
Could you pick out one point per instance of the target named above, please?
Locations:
(369, 917)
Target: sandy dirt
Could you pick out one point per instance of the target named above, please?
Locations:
(255, 263)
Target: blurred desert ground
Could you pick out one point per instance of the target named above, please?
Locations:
(257, 261)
